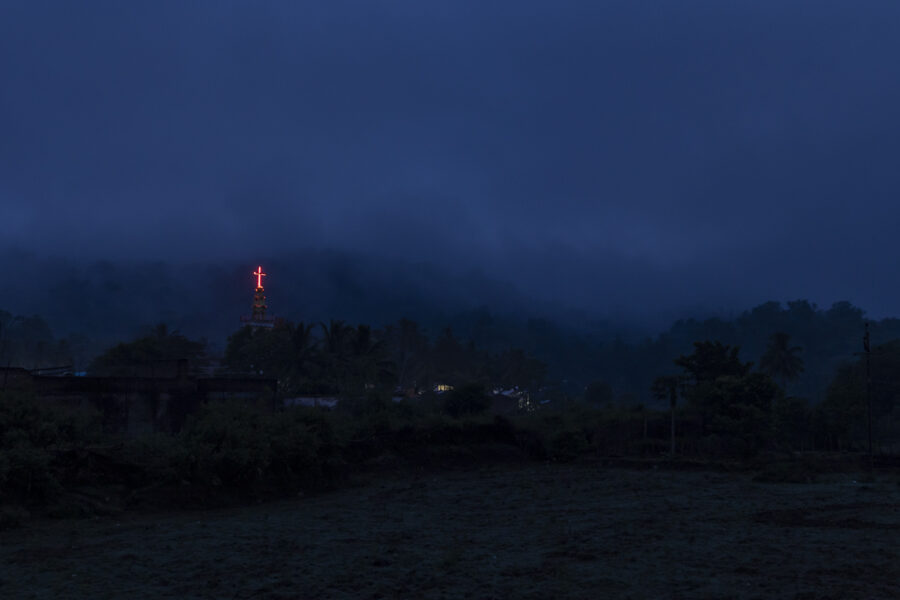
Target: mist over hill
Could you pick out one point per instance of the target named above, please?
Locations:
(117, 299)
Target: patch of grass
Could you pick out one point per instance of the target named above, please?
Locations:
(786, 472)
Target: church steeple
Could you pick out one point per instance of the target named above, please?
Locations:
(259, 298)
(258, 316)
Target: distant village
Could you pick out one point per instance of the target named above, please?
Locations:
(159, 395)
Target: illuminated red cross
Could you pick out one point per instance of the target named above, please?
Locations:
(259, 275)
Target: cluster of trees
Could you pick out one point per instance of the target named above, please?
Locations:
(336, 358)
(574, 357)
(731, 407)
(139, 356)
(732, 401)
(599, 354)
(828, 337)
(841, 420)
(27, 341)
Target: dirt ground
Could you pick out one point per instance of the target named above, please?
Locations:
(536, 531)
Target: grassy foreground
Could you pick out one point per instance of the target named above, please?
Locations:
(526, 531)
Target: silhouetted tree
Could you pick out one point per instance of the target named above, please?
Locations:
(840, 418)
(409, 349)
(334, 355)
(843, 408)
(741, 409)
(161, 345)
(450, 361)
(598, 393)
(370, 366)
(781, 361)
(734, 404)
(514, 368)
(264, 351)
(711, 360)
(791, 418)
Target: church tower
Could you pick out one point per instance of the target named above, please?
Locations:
(259, 298)
(258, 315)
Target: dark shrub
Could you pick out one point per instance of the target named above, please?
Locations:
(305, 451)
(598, 393)
(31, 436)
(499, 430)
(28, 478)
(469, 399)
(247, 451)
(228, 446)
(531, 444)
(566, 446)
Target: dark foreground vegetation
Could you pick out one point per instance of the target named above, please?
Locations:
(709, 406)
(60, 463)
(726, 485)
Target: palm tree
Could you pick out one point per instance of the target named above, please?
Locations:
(409, 350)
(303, 346)
(370, 363)
(781, 361)
(334, 356)
(334, 337)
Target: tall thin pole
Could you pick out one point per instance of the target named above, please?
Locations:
(673, 399)
(868, 351)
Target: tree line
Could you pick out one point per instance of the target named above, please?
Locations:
(341, 359)
(734, 407)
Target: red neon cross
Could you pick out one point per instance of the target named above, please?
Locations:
(259, 275)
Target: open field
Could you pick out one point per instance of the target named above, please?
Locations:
(532, 531)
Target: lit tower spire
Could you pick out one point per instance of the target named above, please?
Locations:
(258, 317)
(259, 298)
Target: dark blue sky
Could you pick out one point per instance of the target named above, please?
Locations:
(618, 155)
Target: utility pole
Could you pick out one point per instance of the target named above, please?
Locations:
(3, 345)
(673, 400)
(868, 350)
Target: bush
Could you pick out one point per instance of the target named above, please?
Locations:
(31, 436)
(244, 450)
(566, 446)
(306, 452)
(532, 444)
(227, 446)
(164, 458)
(790, 421)
(469, 399)
(27, 478)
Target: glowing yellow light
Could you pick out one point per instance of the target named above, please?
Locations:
(259, 275)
